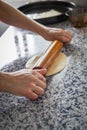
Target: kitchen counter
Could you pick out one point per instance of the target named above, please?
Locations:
(64, 104)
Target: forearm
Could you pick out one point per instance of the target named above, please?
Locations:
(12, 16)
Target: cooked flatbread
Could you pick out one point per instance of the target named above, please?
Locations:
(57, 65)
(46, 14)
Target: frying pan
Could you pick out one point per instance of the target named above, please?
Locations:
(44, 6)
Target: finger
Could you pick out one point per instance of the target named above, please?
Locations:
(65, 34)
(35, 78)
(38, 75)
(42, 71)
(40, 83)
(31, 95)
(38, 90)
(42, 78)
(64, 39)
(68, 35)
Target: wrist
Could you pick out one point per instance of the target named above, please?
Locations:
(4, 81)
(44, 32)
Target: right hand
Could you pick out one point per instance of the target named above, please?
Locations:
(28, 83)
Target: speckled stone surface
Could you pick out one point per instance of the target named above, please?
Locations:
(64, 104)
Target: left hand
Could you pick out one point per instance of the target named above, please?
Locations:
(58, 34)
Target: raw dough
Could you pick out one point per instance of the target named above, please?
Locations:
(57, 65)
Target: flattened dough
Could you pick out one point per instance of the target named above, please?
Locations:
(57, 65)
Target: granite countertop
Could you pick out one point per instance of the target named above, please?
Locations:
(64, 104)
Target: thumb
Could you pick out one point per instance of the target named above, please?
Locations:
(42, 71)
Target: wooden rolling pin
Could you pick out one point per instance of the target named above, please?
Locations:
(49, 55)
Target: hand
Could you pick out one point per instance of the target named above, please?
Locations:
(28, 83)
(57, 34)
